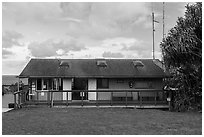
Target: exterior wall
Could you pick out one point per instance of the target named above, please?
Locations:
(113, 84)
(42, 95)
(137, 84)
(57, 96)
(104, 95)
(92, 86)
(121, 84)
(67, 85)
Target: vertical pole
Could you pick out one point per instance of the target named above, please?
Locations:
(96, 98)
(137, 99)
(24, 93)
(163, 20)
(170, 96)
(15, 101)
(18, 99)
(18, 92)
(82, 98)
(51, 105)
(48, 96)
(155, 98)
(38, 97)
(153, 34)
(140, 99)
(111, 98)
(67, 98)
(126, 99)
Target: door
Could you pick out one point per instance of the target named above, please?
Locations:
(80, 84)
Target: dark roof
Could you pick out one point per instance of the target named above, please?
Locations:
(137, 63)
(120, 68)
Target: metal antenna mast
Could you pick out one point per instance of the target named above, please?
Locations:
(153, 30)
(163, 20)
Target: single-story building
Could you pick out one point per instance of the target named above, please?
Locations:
(95, 74)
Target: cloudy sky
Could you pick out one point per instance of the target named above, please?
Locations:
(81, 30)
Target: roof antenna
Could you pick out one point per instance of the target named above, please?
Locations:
(163, 20)
(163, 32)
(153, 30)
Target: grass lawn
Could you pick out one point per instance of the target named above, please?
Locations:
(106, 121)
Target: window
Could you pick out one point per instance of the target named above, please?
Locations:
(138, 63)
(101, 63)
(39, 84)
(102, 83)
(60, 84)
(43, 84)
(57, 84)
(54, 84)
(65, 64)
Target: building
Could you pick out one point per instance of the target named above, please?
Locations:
(95, 79)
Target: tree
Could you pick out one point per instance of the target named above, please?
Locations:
(182, 55)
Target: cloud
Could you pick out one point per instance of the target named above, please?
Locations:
(105, 20)
(6, 53)
(112, 55)
(76, 10)
(22, 12)
(136, 46)
(11, 38)
(13, 66)
(52, 47)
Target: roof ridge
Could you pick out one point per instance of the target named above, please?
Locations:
(92, 59)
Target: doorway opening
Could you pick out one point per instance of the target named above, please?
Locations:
(80, 84)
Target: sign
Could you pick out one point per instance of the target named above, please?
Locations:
(168, 99)
(42, 94)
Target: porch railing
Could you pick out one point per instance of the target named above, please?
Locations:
(20, 97)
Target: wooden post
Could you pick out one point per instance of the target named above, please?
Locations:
(37, 96)
(24, 96)
(48, 97)
(140, 99)
(67, 98)
(19, 99)
(155, 98)
(126, 99)
(96, 98)
(82, 98)
(15, 101)
(111, 98)
(170, 100)
(51, 105)
(18, 92)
